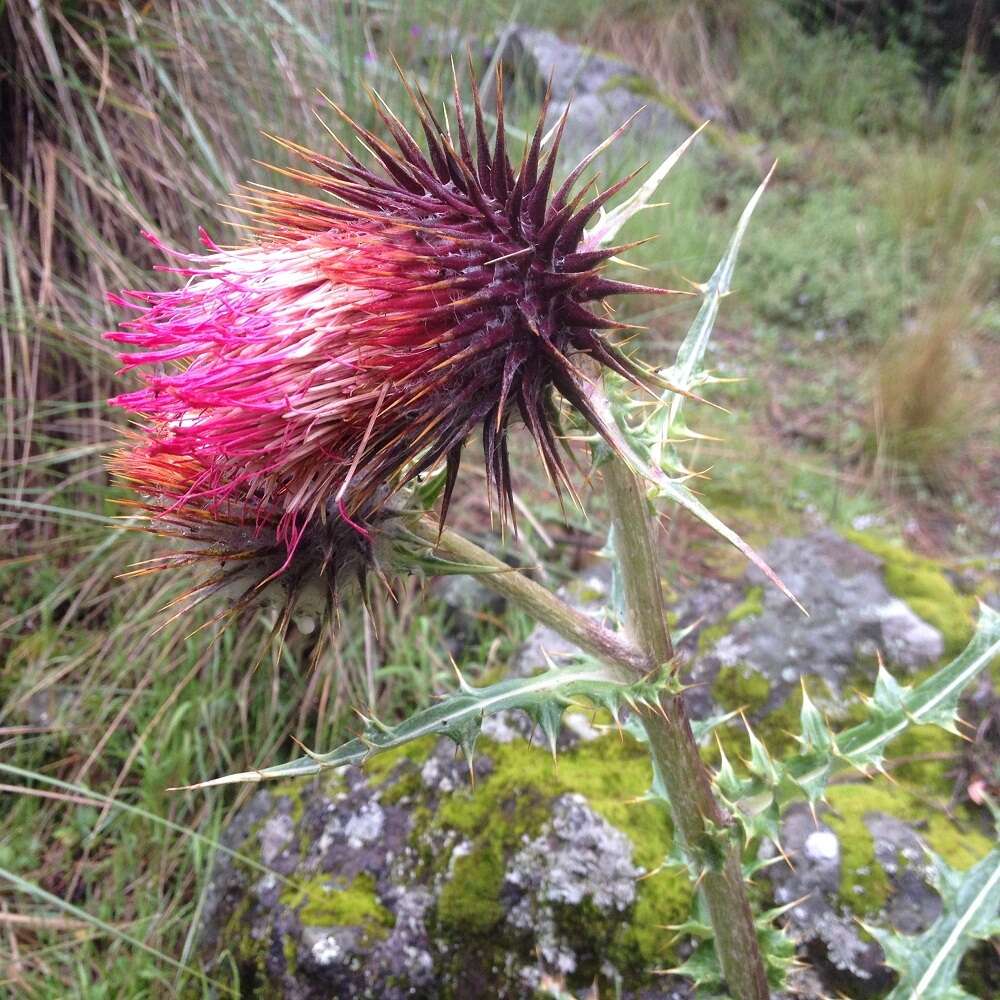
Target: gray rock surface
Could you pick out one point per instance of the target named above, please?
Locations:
(913, 905)
(852, 618)
(577, 859)
(811, 880)
(604, 92)
(821, 923)
(345, 893)
(567, 885)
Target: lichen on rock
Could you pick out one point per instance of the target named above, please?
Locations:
(405, 875)
(405, 878)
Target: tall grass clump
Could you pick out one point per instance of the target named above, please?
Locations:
(932, 395)
(939, 199)
(119, 119)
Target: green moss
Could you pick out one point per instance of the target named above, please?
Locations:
(933, 752)
(321, 903)
(614, 775)
(291, 954)
(514, 796)
(957, 840)
(663, 901)
(864, 884)
(583, 591)
(470, 901)
(291, 790)
(710, 635)
(237, 933)
(494, 817)
(752, 604)
(397, 772)
(513, 802)
(923, 585)
(960, 844)
(735, 687)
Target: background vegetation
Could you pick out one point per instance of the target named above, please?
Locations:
(865, 324)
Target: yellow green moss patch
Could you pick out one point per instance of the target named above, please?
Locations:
(923, 585)
(957, 839)
(740, 687)
(752, 604)
(381, 765)
(470, 900)
(864, 884)
(292, 790)
(930, 754)
(320, 902)
(512, 804)
(291, 954)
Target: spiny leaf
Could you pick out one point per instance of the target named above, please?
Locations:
(547, 715)
(459, 716)
(702, 965)
(646, 444)
(816, 734)
(701, 729)
(758, 799)
(687, 367)
(726, 779)
(761, 763)
(609, 224)
(634, 447)
(928, 963)
(895, 707)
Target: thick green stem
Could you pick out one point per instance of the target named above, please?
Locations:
(542, 605)
(697, 816)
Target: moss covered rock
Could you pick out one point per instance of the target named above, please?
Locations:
(411, 877)
(405, 879)
(861, 856)
(924, 586)
(752, 649)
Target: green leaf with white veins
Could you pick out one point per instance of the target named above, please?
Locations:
(757, 798)
(894, 707)
(928, 963)
(460, 715)
(686, 372)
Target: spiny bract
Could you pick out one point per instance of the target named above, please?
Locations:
(240, 545)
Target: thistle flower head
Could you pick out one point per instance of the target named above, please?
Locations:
(247, 560)
(373, 325)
